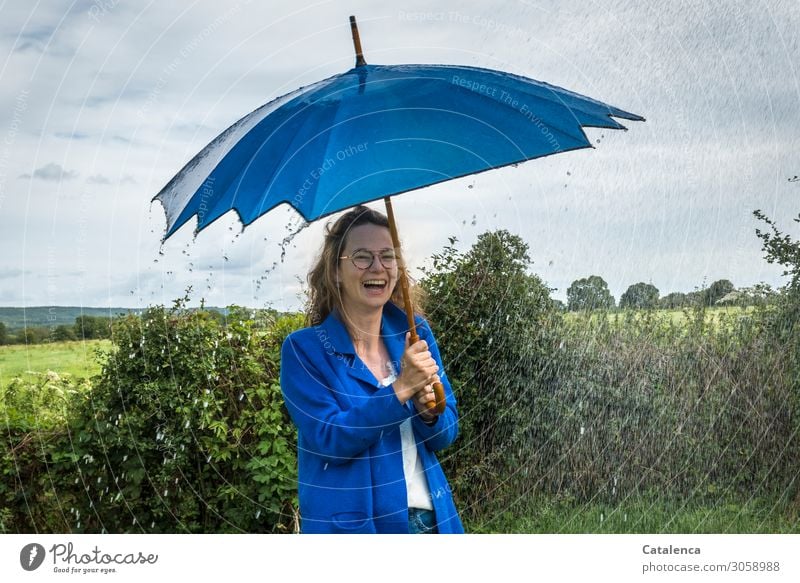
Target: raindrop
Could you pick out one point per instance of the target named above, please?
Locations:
(258, 514)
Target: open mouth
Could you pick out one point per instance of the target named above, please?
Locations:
(375, 285)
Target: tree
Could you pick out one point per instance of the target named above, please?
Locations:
(785, 251)
(695, 298)
(718, 290)
(3, 334)
(91, 327)
(34, 335)
(673, 300)
(63, 333)
(590, 293)
(640, 296)
(780, 249)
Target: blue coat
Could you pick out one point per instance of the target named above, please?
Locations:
(350, 477)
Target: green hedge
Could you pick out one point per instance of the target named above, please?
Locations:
(183, 431)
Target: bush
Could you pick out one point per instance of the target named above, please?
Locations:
(642, 405)
(492, 321)
(35, 415)
(184, 431)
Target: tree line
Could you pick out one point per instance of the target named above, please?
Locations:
(592, 293)
(84, 328)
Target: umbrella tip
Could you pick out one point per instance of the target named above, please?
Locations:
(360, 61)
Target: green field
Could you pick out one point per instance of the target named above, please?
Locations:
(677, 317)
(31, 361)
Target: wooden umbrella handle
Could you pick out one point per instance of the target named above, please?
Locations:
(438, 389)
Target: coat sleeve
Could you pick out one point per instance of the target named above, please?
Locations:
(330, 431)
(444, 432)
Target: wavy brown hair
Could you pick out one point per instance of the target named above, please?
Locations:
(324, 295)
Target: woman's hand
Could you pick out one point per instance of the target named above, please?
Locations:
(425, 396)
(416, 370)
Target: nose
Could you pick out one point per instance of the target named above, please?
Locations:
(376, 263)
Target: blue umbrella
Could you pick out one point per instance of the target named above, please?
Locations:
(375, 131)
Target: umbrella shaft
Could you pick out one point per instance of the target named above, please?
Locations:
(402, 274)
(360, 61)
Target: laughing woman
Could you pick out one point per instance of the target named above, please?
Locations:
(358, 392)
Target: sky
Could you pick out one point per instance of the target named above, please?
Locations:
(102, 102)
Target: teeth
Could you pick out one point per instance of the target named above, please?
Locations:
(375, 282)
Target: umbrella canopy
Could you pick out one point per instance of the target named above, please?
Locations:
(376, 131)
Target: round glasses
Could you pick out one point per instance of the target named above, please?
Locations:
(364, 258)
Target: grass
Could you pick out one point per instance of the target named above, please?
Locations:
(676, 316)
(76, 358)
(638, 516)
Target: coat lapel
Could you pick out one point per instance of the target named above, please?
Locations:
(334, 337)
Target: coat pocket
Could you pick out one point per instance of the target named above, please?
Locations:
(352, 522)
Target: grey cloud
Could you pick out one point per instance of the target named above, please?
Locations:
(72, 135)
(13, 272)
(32, 39)
(102, 179)
(53, 172)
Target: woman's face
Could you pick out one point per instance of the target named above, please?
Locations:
(367, 289)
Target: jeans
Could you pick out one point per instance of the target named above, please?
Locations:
(421, 521)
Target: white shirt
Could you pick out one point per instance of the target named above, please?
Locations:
(416, 483)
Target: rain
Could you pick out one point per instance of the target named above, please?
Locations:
(626, 408)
